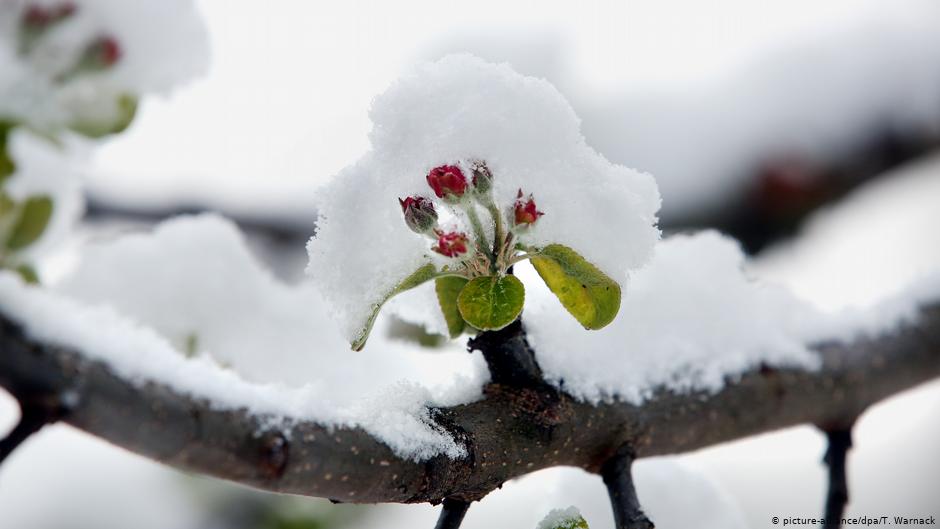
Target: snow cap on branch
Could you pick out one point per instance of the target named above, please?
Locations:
(458, 112)
(70, 62)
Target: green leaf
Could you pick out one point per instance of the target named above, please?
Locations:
(490, 303)
(6, 204)
(125, 107)
(28, 274)
(448, 288)
(586, 292)
(34, 217)
(420, 276)
(7, 165)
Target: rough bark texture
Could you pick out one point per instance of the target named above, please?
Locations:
(512, 431)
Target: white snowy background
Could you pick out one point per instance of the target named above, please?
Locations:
(679, 89)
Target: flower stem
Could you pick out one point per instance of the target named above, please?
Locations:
(478, 233)
(498, 234)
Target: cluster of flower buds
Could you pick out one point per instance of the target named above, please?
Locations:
(449, 184)
(100, 53)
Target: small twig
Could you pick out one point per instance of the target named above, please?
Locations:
(840, 440)
(618, 477)
(452, 513)
(34, 414)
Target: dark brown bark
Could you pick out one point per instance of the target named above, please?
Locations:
(512, 431)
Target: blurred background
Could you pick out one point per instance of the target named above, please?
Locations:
(807, 130)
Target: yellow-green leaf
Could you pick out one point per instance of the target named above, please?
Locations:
(490, 303)
(448, 288)
(421, 275)
(587, 293)
(34, 215)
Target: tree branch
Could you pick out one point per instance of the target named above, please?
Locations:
(452, 513)
(840, 441)
(618, 477)
(511, 432)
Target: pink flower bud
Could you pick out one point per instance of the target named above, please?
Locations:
(525, 210)
(447, 181)
(453, 244)
(419, 214)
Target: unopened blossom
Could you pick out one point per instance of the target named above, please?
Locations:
(419, 213)
(524, 210)
(447, 181)
(450, 244)
(482, 178)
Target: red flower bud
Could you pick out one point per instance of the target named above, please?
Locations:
(453, 244)
(419, 214)
(103, 53)
(447, 181)
(38, 17)
(525, 210)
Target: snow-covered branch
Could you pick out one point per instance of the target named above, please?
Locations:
(512, 431)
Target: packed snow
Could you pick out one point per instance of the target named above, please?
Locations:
(188, 306)
(159, 44)
(456, 110)
(692, 319)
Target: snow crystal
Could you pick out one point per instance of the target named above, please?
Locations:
(161, 43)
(451, 111)
(561, 519)
(144, 302)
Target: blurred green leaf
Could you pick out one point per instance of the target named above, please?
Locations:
(34, 215)
(126, 109)
(420, 276)
(588, 294)
(490, 303)
(448, 288)
(28, 274)
(7, 166)
(6, 204)
(567, 522)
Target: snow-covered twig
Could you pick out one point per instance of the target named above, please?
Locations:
(510, 432)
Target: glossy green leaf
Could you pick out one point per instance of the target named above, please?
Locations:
(587, 293)
(448, 288)
(125, 109)
(34, 215)
(420, 276)
(491, 303)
